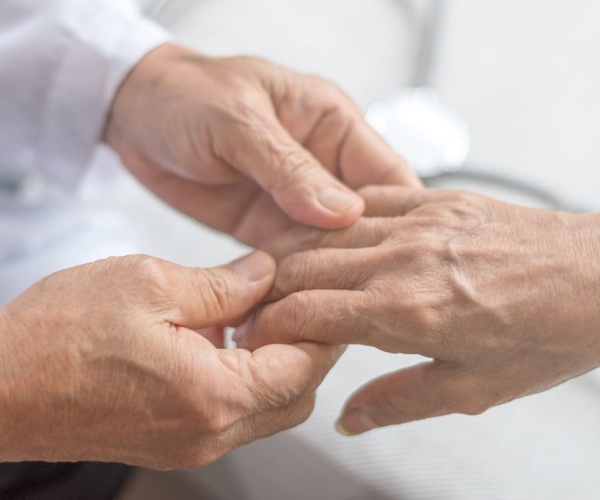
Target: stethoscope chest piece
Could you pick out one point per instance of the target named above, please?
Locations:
(414, 121)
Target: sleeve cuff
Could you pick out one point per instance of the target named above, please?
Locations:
(103, 42)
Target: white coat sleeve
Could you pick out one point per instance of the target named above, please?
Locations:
(61, 64)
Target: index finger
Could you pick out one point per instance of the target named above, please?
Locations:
(332, 317)
(367, 159)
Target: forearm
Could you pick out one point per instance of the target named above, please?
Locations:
(62, 62)
(8, 434)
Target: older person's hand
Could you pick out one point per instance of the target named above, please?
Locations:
(504, 300)
(246, 146)
(103, 362)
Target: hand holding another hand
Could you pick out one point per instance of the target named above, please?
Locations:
(245, 146)
(104, 362)
(503, 299)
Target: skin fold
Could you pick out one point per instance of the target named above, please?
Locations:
(503, 299)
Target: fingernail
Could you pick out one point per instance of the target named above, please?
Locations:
(243, 331)
(254, 267)
(337, 200)
(353, 422)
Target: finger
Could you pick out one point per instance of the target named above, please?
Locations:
(366, 232)
(392, 201)
(323, 269)
(328, 316)
(213, 205)
(422, 391)
(267, 423)
(261, 220)
(282, 373)
(298, 183)
(367, 158)
(218, 296)
(264, 424)
(340, 138)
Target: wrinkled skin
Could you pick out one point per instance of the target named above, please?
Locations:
(503, 299)
(246, 146)
(104, 362)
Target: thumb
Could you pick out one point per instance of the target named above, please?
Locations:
(298, 183)
(425, 390)
(221, 295)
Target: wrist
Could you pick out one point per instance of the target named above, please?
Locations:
(583, 275)
(139, 96)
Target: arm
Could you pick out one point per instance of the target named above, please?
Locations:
(61, 63)
(239, 144)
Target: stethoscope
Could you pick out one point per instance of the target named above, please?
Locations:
(435, 140)
(419, 126)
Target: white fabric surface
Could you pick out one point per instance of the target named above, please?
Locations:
(543, 447)
(41, 238)
(61, 63)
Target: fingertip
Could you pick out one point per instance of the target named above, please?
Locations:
(341, 429)
(334, 207)
(354, 421)
(338, 200)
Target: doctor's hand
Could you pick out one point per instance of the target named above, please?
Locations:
(246, 146)
(503, 299)
(103, 362)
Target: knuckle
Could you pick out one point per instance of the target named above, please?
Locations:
(473, 405)
(152, 272)
(156, 279)
(217, 423)
(337, 100)
(295, 311)
(470, 398)
(294, 165)
(293, 271)
(461, 205)
(268, 398)
(306, 238)
(296, 413)
(247, 99)
(217, 294)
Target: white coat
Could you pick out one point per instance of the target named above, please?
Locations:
(61, 64)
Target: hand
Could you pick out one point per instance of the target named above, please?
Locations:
(246, 146)
(101, 362)
(502, 298)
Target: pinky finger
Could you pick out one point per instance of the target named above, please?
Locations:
(421, 391)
